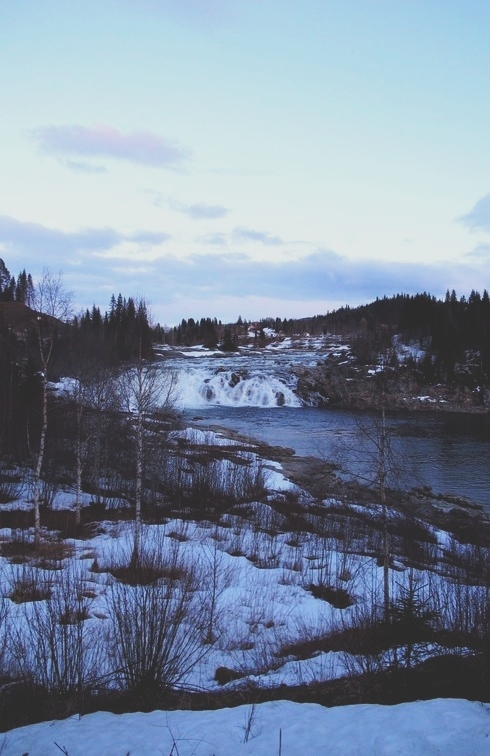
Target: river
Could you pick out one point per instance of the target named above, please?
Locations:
(254, 395)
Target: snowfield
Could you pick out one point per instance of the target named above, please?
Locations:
(447, 727)
(251, 593)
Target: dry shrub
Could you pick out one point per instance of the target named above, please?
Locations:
(19, 548)
(48, 554)
(224, 675)
(144, 573)
(10, 486)
(152, 565)
(156, 631)
(158, 559)
(178, 536)
(339, 598)
(28, 585)
(72, 616)
(54, 647)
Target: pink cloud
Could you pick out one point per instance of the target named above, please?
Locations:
(104, 141)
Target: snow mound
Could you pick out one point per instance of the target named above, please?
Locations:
(442, 726)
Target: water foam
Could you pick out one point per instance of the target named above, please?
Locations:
(201, 387)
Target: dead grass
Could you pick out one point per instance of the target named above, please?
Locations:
(149, 568)
(48, 554)
(178, 536)
(29, 588)
(339, 598)
(74, 616)
(142, 574)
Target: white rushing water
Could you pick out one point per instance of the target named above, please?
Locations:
(258, 379)
(200, 387)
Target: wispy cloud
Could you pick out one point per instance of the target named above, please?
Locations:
(480, 253)
(101, 141)
(321, 276)
(478, 219)
(218, 240)
(80, 166)
(250, 235)
(241, 235)
(198, 211)
(100, 261)
(149, 237)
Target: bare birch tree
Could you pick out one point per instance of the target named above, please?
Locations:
(94, 393)
(372, 460)
(52, 302)
(144, 388)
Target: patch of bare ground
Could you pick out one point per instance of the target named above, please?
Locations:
(339, 598)
(143, 574)
(47, 554)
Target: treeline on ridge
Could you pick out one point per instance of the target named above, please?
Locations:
(30, 327)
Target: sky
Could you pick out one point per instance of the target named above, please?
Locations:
(253, 158)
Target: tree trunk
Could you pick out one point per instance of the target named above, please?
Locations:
(384, 516)
(78, 504)
(39, 464)
(138, 489)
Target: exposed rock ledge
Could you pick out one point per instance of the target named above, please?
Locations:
(454, 513)
(351, 387)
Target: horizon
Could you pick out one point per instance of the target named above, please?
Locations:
(105, 308)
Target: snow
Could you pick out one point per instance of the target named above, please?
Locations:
(448, 727)
(200, 352)
(413, 350)
(263, 602)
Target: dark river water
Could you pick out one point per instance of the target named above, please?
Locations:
(256, 397)
(450, 453)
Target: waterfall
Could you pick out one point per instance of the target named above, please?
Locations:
(199, 386)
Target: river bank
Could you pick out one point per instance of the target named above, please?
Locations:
(468, 520)
(349, 386)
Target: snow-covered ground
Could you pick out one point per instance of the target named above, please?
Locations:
(260, 573)
(448, 727)
(257, 575)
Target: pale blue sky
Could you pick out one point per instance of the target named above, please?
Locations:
(246, 157)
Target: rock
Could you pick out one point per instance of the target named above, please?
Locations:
(351, 387)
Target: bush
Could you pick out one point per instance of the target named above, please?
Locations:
(156, 632)
(54, 646)
(10, 486)
(28, 585)
(339, 598)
